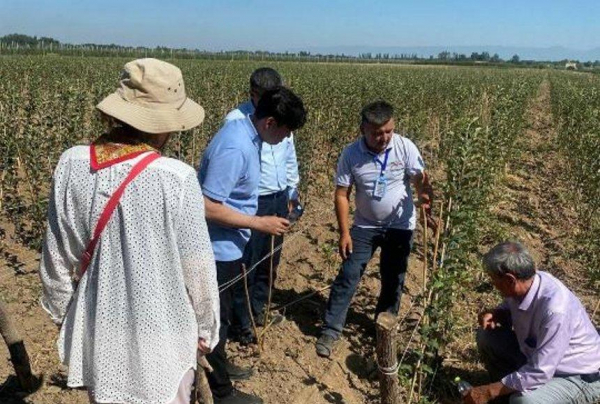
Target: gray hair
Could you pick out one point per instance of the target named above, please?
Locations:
(509, 257)
(265, 79)
(377, 113)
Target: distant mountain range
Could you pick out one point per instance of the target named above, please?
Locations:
(554, 53)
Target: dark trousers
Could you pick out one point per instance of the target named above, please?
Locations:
(395, 247)
(499, 351)
(258, 247)
(219, 381)
(501, 355)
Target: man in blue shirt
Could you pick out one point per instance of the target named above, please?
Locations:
(229, 175)
(278, 192)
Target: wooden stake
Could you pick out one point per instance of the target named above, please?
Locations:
(268, 308)
(424, 215)
(2, 189)
(203, 393)
(18, 353)
(387, 358)
(448, 213)
(248, 304)
(446, 227)
(595, 309)
(438, 232)
(414, 379)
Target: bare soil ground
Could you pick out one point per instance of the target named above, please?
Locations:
(532, 206)
(287, 369)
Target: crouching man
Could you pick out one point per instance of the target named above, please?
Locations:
(539, 345)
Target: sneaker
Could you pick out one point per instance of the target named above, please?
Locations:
(325, 345)
(238, 397)
(238, 373)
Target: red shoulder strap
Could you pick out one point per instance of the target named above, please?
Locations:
(112, 203)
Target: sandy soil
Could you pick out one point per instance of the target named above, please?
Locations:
(531, 207)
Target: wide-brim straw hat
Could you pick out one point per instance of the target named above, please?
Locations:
(151, 97)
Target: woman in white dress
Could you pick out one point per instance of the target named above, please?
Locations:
(131, 324)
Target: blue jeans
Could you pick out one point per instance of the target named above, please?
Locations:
(395, 247)
(258, 247)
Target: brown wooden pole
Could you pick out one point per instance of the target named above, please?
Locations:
(18, 353)
(203, 393)
(261, 337)
(249, 304)
(425, 249)
(438, 232)
(387, 358)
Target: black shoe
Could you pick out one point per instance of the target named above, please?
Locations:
(238, 372)
(325, 345)
(245, 337)
(238, 397)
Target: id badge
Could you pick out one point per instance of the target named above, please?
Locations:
(380, 187)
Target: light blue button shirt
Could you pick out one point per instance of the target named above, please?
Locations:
(278, 163)
(230, 173)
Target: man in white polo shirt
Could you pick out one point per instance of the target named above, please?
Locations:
(380, 165)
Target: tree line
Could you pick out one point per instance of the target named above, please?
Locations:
(20, 43)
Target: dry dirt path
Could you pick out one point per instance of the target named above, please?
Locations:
(536, 206)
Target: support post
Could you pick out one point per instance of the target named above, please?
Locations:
(203, 393)
(387, 358)
(18, 353)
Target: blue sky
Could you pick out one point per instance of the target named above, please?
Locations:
(281, 25)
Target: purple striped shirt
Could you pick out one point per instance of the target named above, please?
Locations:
(554, 332)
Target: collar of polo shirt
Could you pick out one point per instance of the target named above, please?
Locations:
(364, 148)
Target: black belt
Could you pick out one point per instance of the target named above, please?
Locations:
(274, 195)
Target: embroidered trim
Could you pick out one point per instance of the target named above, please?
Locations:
(107, 151)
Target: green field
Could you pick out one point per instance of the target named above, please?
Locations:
(468, 122)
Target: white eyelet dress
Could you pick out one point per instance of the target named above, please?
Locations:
(130, 328)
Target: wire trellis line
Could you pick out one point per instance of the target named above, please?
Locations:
(287, 240)
(35, 259)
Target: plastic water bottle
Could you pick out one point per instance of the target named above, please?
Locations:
(463, 386)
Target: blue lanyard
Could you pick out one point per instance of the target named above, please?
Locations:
(384, 164)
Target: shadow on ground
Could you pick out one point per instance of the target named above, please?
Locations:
(12, 393)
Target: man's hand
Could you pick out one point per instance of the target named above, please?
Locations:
(345, 246)
(203, 346)
(425, 205)
(425, 197)
(487, 321)
(292, 203)
(271, 225)
(424, 201)
(478, 395)
(490, 319)
(486, 393)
